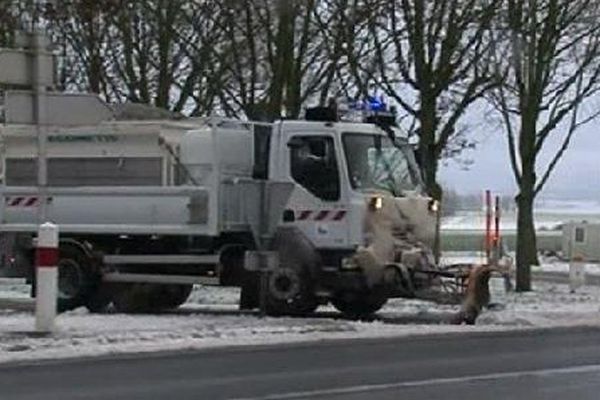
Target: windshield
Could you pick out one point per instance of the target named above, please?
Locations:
(374, 162)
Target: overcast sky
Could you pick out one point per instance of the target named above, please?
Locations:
(577, 176)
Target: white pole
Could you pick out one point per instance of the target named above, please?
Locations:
(576, 274)
(47, 277)
(38, 43)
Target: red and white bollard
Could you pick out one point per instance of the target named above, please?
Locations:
(488, 226)
(46, 261)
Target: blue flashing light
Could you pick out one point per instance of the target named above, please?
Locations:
(376, 104)
(370, 104)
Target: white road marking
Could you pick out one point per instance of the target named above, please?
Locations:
(425, 382)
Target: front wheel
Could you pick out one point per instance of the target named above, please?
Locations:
(291, 287)
(289, 292)
(359, 305)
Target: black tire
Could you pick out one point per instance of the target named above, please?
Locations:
(147, 298)
(297, 301)
(101, 299)
(291, 287)
(250, 293)
(78, 279)
(359, 305)
(133, 298)
(172, 296)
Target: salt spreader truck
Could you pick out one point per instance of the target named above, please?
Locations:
(329, 211)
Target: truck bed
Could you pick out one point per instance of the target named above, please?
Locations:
(180, 210)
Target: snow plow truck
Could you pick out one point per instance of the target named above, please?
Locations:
(327, 211)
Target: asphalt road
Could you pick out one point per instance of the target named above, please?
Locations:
(559, 364)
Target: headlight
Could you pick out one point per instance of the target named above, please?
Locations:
(376, 203)
(434, 206)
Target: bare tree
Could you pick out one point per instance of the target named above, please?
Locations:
(8, 21)
(274, 56)
(202, 76)
(82, 31)
(147, 54)
(252, 57)
(431, 61)
(344, 28)
(548, 60)
(151, 51)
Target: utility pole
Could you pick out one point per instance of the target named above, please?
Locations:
(38, 43)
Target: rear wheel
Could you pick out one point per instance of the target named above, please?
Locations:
(358, 305)
(78, 279)
(101, 298)
(172, 296)
(146, 297)
(133, 297)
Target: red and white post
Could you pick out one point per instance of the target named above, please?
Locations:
(46, 261)
(488, 226)
(496, 242)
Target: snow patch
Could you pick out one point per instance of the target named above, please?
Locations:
(210, 319)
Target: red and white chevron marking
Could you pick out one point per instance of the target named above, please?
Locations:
(22, 201)
(321, 215)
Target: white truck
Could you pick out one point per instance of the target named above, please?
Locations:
(334, 211)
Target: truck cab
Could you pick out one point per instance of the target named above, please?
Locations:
(358, 198)
(341, 170)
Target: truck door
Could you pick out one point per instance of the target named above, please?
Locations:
(317, 199)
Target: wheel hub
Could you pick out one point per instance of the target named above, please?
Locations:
(284, 284)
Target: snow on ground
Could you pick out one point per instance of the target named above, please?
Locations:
(475, 220)
(209, 319)
(547, 218)
(82, 334)
(14, 288)
(548, 264)
(548, 305)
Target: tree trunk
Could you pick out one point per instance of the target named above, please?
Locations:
(165, 18)
(284, 58)
(95, 69)
(427, 145)
(430, 169)
(430, 159)
(433, 189)
(526, 240)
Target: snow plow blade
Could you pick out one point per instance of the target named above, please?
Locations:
(464, 284)
(477, 293)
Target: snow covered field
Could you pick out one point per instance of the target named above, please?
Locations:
(549, 215)
(548, 264)
(210, 319)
